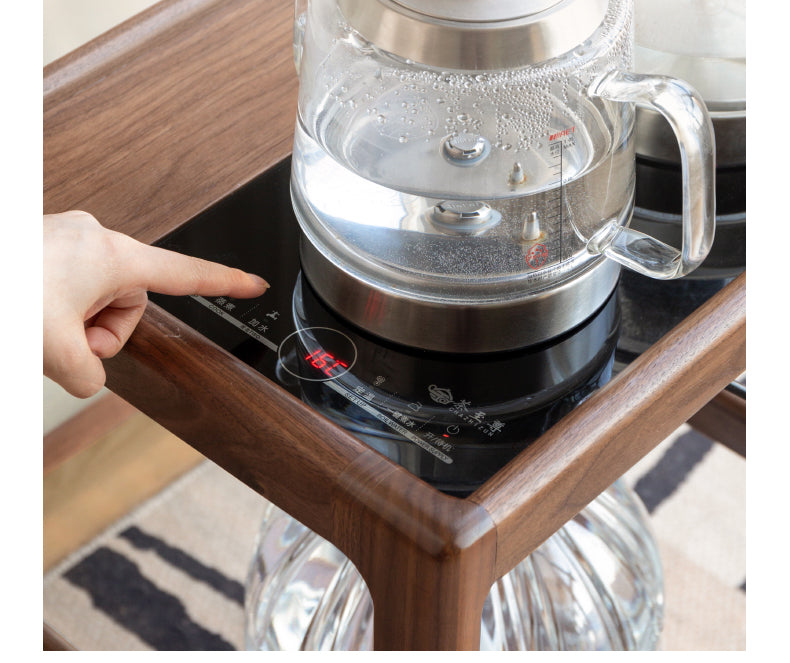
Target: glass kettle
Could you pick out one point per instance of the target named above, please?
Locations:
(463, 172)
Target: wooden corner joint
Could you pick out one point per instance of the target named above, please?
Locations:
(428, 559)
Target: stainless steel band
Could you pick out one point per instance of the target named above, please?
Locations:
(460, 327)
(488, 35)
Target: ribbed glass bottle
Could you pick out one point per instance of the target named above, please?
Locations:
(596, 584)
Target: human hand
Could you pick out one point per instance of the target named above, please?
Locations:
(95, 285)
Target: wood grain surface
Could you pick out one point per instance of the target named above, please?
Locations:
(233, 415)
(565, 469)
(170, 112)
(427, 559)
(724, 420)
(167, 113)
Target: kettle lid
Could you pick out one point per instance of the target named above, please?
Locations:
(475, 34)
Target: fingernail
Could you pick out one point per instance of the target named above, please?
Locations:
(259, 280)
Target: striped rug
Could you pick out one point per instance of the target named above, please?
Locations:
(170, 576)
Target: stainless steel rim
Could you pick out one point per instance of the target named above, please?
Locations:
(455, 326)
(473, 41)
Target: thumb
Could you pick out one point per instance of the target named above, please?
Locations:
(69, 361)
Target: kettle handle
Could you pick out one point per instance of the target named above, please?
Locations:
(684, 109)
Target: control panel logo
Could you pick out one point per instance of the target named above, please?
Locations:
(440, 395)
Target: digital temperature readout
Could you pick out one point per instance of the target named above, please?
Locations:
(317, 354)
(326, 362)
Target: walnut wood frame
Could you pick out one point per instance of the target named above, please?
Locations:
(171, 111)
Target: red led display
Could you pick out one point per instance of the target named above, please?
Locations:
(325, 362)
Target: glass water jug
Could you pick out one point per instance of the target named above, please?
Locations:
(463, 172)
(597, 584)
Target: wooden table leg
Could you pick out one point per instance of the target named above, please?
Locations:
(427, 558)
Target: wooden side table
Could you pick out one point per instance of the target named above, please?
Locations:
(169, 112)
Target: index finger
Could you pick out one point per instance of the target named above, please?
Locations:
(172, 273)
